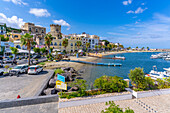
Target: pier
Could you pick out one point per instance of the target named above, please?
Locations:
(100, 64)
(114, 58)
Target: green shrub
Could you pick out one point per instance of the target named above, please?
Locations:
(137, 78)
(110, 84)
(81, 85)
(59, 71)
(41, 63)
(113, 108)
(19, 58)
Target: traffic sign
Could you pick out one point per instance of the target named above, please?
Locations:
(61, 78)
(61, 85)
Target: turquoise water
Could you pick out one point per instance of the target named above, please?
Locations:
(141, 59)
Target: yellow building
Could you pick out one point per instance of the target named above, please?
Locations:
(58, 38)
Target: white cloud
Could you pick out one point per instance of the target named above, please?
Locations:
(63, 23)
(130, 12)
(140, 10)
(137, 11)
(127, 2)
(17, 2)
(14, 21)
(153, 33)
(142, 3)
(39, 12)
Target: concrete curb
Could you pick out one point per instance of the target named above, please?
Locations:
(44, 85)
(28, 101)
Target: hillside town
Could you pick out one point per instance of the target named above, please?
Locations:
(11, 37)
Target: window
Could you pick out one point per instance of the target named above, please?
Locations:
(29, 29)
(71, 44)
(36, 30)
(60, 44)
(42, 31)
(55, 44)
(92, 41)
(15, 36)
(51, 43)
(75, 44)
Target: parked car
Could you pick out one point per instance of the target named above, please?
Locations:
(1, 72)
(19, 69)
(35, 69)
(7, 60)
(36, 56)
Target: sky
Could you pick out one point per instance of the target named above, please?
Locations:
(132, 23)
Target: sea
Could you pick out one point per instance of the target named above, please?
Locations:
(138, 59)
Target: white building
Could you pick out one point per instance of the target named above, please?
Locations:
(86, 38)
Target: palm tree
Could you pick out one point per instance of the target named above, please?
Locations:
(99, 47)
(104, 47)
(79, 44)
(65, 43)
(43, 50)
(96, 47)
(48, 40)
(28, 41)
(87, 45)
(14, 51)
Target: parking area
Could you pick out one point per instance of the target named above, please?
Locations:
(20, 62)
(25, 85)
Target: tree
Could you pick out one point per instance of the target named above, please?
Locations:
(65, 43)
(109, 46)
(3, 38)
(149, 82)
(137, 47)
(99, 47)
(104, 47)
(110, 83)
(113, 108)
(28, 41)
(129, 48)
(96, 47)
(14, 51)
(51, 49)
(81, 85)
(87, 45)
(137, 77)
(121, 46)
(147, 48)
(143, 48)
(43, 50)
(48, 40)
(36, 50)
(79, 43)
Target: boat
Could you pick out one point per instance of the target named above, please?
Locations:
(154, 74)
(119, 57)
